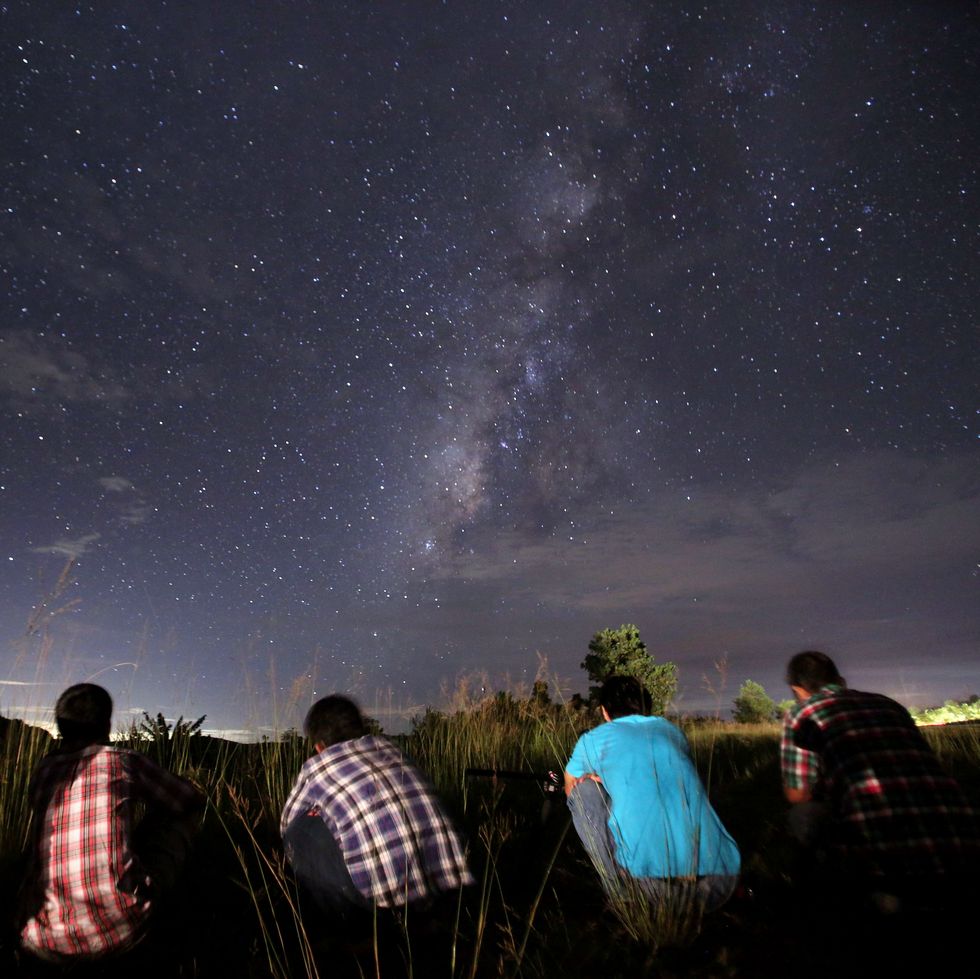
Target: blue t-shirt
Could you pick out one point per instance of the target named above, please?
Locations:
(660, 818)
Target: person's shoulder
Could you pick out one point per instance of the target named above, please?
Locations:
(378, 742)
(644, 722)
(666, 734)
(385, 751)
(836, 705)
(847, 698)
(366, 746)
(590, 737)
(884, 705)
(629, 728)
(792, 712)
(60, 756)
(828, 695)
(877, 698)
(816, 708)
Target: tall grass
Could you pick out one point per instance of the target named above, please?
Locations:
(498, 733)
(537, 909)
(21, 748)
(272, 893)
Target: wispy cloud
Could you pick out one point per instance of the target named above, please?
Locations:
(136, 514)
(67, 547)
(133, 509)
(41, 372)
(115, 484)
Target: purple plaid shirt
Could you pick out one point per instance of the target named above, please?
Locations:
(896, 811)
(396, 840)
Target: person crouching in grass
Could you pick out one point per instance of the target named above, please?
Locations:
(889, 844)
(640, 810)
(92, 880)
(362, 827)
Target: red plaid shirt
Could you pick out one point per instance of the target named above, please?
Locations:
(896, 811)
(95, 896)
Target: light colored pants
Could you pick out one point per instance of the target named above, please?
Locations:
(589, 806)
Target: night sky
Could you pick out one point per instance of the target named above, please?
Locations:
(364, 346)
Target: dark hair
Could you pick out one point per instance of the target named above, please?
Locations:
(812, 670)
(84, 713)
(624, 695)
(334, 719)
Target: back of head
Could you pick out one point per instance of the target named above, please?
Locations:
(334, 719)
(84, 713)
(624, 695)
(812, 670)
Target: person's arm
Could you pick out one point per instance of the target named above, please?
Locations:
(581, 765)
(159, 788)
(30, 894)
(800, 767)
(304, 796)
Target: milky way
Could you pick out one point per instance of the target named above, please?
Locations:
(352, 346)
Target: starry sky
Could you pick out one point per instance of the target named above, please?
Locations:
(369, 346)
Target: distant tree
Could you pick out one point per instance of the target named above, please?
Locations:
(539, 694)
(373, 725)
(753, 705)
(621, 652)
(784, 705)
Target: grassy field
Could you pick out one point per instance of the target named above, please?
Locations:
(537, 908)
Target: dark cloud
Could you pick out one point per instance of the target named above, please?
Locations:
(40, 373)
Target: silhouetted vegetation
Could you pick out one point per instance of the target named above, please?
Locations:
(537, 909)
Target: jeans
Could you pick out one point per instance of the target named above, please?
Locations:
(318, 864)
(589, 806)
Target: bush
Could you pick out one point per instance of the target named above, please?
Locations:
(753, 705)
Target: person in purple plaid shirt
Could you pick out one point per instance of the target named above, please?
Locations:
(361, 827)
(868, 792)
(90, 884)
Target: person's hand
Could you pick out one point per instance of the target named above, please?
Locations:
(572, 780)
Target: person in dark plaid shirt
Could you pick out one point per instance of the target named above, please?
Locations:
(90, 883)
(362, 827)
(865, 785)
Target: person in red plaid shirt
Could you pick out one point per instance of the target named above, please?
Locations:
(91, 880)
(867, 790)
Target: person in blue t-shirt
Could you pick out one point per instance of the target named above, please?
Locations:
(640, 809)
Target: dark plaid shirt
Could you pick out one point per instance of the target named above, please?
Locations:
(397, 842)
(896, 811)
